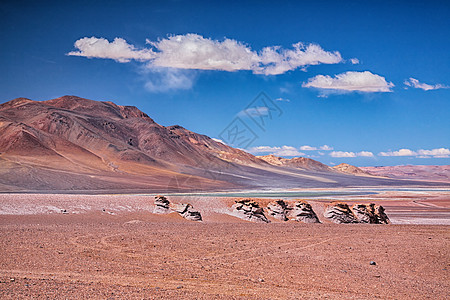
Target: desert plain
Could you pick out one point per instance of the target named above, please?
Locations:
(60, 246)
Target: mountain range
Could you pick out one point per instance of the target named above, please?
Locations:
(75, 144)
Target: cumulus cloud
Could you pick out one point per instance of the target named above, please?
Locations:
(326, 148)
(349, 82)
(365, 154)
(119, 50)
(278, 151)
(351, 154)
(412, 82)
(439, 152)
(354, 61)
(308, 148)
(401, 152)
(342, 154)
(422, 153)
(193, 51)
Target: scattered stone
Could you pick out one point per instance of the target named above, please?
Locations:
(64, 211)
(303, 212)
(260, 280)
(179, 287)
(161, 205)
(12, 279)
(372, 263)
(187, 211)
(339, 212)
(279, 210)
(249, 210)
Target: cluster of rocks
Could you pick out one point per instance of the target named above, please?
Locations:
(301, 211)
(186, 210)
(339, 212)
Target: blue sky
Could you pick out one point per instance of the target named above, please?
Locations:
(370, 81)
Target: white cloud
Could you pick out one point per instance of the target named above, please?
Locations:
(351, 154)
(308, 148)
(119, 50)
(254, 111)
(365, 154)
(350, 81)
(412, 82)
(354, 61)
(278, 151)
(326, 148)
(401, 152)
(435, 153)
(276, 60)
(438, 153)
(193, 51)
(342, 154)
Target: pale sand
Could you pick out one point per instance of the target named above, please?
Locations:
(127, 252)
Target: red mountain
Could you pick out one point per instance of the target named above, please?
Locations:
(71, 143)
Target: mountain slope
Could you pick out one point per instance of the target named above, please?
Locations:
(71, 143)
(349, 169)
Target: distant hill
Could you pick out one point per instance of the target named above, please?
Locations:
(349, 169)
(429, 173)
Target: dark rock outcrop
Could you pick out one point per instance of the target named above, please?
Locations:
(187, 211)
(279, 210)
(380, 215)
(365, 213)
(303, 212)
(339, 213)
(161, 205)
(250, 210)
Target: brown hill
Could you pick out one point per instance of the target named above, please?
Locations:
(349, 169)
(71, 143)
(429, 173)
(296, 162)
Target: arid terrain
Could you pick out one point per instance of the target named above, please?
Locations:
(114, 247)
(79, 219)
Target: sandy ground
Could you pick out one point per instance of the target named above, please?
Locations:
(113, 247)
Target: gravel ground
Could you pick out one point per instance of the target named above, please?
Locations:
(139, 255)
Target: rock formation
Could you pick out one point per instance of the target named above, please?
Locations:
(339, 213)
(187, 211)
(371, 213)
(380, 215)
(303, 212)
(365, 213)
(279, 210)
(250, 210)
(161, 205)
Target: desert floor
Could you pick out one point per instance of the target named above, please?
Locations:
(103, 248)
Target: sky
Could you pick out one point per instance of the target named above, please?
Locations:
(358, 82)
